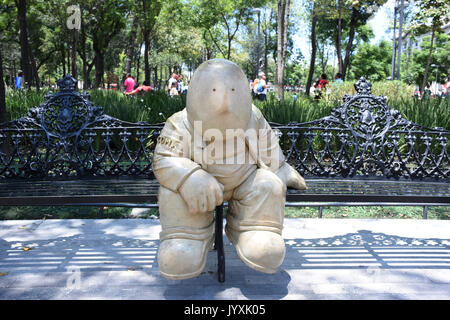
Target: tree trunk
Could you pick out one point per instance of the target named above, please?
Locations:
(74, 53)
(146, 60)
(138, 67)
(400, 38)
(3, 113)
(99, 68)
(34, 68)
(339, 38)
(24, 46)
(130, 49)
(266, 42)
(279, 74)
(430, 53)
(84, 58)
(313, 51)
(285, 31)
(408, 55)
(69, 54)
(155, 76)
(393, 47)
(63, 60)
(85, 76)
(351, 36)
(323, 58)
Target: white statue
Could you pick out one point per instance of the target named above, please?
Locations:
(220, 148)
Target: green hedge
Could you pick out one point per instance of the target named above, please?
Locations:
(155, 107)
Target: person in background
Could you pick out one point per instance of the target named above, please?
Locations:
(140, 89)
(321, 86)
(173, 91)
(185, 87)
(18, 84)
(323, 83)
(417, 93)
(129, 84)
(262, 88)
(427, 91)
(254, 87)
(180, 84)
(338, 78)
(447, 87)
(172, 80)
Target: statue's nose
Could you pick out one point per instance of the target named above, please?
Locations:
(226, 106)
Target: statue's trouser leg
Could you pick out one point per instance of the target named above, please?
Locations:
(185, 237)
(255, 221)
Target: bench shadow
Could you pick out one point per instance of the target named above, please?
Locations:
(364, 249)
(99, 254)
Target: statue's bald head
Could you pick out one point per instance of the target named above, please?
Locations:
(219, 96)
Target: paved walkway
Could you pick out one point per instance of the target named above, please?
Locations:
(325, 259)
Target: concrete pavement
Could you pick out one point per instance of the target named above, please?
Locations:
(325, 259)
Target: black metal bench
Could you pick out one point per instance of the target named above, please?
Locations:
(69, 152)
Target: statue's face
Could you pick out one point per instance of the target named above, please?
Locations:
(219, 96)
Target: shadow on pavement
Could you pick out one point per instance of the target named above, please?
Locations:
(106, 261)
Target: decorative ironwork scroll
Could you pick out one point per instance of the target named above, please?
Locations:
(364, 138)
(68, 136)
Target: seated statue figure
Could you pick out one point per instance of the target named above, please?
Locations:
(220, 148)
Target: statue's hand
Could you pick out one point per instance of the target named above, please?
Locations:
(291, 177)
(201, 192)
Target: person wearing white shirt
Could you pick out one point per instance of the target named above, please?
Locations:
(172, 80)
(262, 88)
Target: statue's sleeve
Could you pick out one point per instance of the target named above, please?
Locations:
(171, 162)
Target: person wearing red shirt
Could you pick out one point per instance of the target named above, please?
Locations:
(129, 84)
(140, 89)
(321, 85)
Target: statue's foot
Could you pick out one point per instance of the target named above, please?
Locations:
(180, 259)
(260, 250)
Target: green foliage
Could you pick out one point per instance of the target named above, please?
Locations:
(431, 15)
(372, 61)
(152, 107)
(220, 20)
(375, 212)
(157, 106)
(19, 102)
(427, 112)
(302, 110)
(68, 212)
(440, 57)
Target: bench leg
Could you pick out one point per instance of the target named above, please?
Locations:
(218, 245)
(425, 212)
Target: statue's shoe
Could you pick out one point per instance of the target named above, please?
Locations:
(260, 250)
(180, 259)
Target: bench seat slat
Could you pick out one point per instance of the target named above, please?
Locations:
(119, 190)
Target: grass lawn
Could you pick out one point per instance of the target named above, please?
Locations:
(375, 212)
(63, 212)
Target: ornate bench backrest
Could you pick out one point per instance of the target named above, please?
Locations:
(67, 136)
(364, 138)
